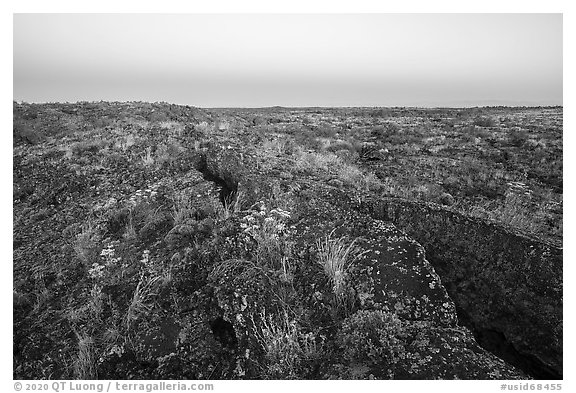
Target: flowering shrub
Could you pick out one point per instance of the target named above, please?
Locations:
(145, 261)
(143, 195)
(151, 266)
(272, 221)
(269, 229)
(110, 267)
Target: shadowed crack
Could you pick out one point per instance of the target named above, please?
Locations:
(224, 332)
(507, 287)
(228, 184)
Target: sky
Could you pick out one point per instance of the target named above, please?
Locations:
(258, 60)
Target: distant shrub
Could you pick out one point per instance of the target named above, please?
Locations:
(472, 132)
(343, 145)
(125, 143)
(517, 209)
(305, 137)
(385, 130)
(158, 116)
(23, 132)
(223, 125)
(279, 146)
(174, 127)
(350, 174)
(92, 147)
(203, 128)
(115, 160)
(103, 122)
(518, 137)
(168, 152)
(382, 112)
(310, 162)
(326, 131)
(484, 121)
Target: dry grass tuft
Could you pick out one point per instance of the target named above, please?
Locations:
(335, 256)
(85, 363)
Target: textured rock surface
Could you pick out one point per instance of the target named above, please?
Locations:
(506, 283)
(392, 278)
(157, 241)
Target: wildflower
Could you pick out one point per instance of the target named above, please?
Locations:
(96, 271)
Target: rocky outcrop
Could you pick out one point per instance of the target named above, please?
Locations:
(403, 324)
(507, 286)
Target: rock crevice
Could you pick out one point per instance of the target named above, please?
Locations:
(507, 287)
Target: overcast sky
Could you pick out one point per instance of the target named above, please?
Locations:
(290, 60)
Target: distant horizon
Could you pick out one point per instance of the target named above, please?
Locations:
(291, 60)
(520, 105)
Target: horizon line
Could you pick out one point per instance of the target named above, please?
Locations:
(512, 104)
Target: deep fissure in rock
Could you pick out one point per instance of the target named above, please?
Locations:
(228, 186)
(507, 287)
(490, 339)
(224, 332)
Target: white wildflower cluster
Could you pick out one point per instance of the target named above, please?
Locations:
(108, 259)
(272, 222)
(106, 205)
(518, 193)
(518, 188)
(143, 195)
(96, 271)
(146, 262)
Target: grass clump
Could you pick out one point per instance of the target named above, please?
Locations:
(146, 291)
(335, 255)
(286, 348)
(148, 158)
(86, 245)
(85, 363)
(332, 164)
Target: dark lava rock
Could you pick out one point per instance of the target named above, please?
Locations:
(507, 286)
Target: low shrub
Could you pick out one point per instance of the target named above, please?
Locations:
(349, 174)
(518, 137)
(387, 129)
(87, 245)
(326, 131)
(311, 162)
(343, 145)
(484, 121)
(91, 147)
(375, 339)
(286, 348)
